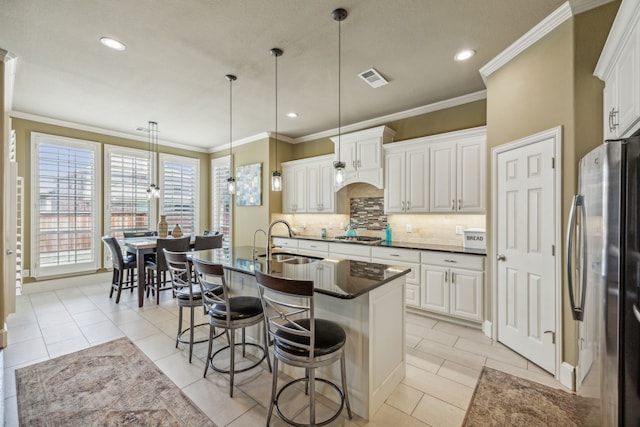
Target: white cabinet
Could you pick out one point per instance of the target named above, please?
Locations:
(361, 153)
(308, 186)
(404, 258)
(619, 67)
(406, 187)
(321, 194)
(294, 189)
(453, 284)
(458, 173)
(314, 247)
(285, 243)
(352, 251)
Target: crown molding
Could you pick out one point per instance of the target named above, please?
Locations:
(543, 28)
(102, 131)
(441, 105)
(621, 31)
(565, 11)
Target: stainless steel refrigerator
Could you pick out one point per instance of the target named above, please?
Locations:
(603, 264)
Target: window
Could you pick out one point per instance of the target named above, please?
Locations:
(126, 180)
(179, 178)
(65, 235)
(221, 201)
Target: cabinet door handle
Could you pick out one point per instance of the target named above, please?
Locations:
(408, 204)
(396, 255)
(450, 260)
(446, 276)
(402, 205)
(459, 203)
(612, 123)
(453, 205)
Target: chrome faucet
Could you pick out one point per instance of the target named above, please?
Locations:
(277, 221)
(253, 249)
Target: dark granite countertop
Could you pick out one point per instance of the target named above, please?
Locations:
(404, 245)
(341, 278)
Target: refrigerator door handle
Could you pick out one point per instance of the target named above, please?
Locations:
(576, 311)
(636, 312)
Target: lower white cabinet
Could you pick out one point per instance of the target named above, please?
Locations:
(453, 284)
(404, 258)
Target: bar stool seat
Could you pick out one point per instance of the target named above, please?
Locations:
(301, 340)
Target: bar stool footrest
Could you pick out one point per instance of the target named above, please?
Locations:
(304, 379)
(186, 331)
(226, 371)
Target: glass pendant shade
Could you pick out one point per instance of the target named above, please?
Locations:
(276, 181)
(231, 185)
(338, 168)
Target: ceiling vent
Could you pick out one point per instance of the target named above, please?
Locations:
(373, 78)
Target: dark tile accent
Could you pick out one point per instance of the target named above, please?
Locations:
(368, 213)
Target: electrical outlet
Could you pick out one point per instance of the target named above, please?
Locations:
(459, 229)
(409, 228)
(303, 224)
(331, 226)
(341, 225)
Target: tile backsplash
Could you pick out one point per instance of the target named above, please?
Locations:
(367, 213)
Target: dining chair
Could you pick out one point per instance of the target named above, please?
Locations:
(121, 265)
(157, 269)
(188, 293)
(301, 339)
(208, 242)
(229, 313)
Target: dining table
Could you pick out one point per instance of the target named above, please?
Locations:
(141, 246)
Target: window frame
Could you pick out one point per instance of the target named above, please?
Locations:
(221, 162)
(83, 267)
(196, 199)
(109, 151)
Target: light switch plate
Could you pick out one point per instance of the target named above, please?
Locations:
(409, 228)
(459, 229)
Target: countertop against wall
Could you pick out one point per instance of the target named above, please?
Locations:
(403, 245)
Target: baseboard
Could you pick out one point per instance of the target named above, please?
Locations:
(65, 282)
(568, 376)
(487, 328)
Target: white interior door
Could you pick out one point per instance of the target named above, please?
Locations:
(525, 237)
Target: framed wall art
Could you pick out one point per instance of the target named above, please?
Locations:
(249, 185)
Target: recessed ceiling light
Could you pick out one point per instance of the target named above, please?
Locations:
(292, 115)
(112, 43)
(464, 54)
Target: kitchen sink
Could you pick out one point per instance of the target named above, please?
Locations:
(291, 258)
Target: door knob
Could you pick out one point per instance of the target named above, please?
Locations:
(501, 257)
(9, 252)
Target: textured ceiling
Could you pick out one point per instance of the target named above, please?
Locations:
(178, 53)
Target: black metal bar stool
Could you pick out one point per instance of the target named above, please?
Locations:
(229, 313)
(301, 340)
(187, 292)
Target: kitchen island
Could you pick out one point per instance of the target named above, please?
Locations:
(366, 299)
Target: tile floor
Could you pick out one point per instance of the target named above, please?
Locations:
(444, 359)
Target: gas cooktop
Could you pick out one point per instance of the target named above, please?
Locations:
(366, 240)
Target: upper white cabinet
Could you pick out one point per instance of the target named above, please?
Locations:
(458, 173)
(294, 188)
(308, 186)
(406, 188)
(362, 154)
(619, 68)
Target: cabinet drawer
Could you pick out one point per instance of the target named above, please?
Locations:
(412, 295)
(453, 260)
(393, 254)
(313, 245)
(346, 249)
(412, 277)
(283, 242)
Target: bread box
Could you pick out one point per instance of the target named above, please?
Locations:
(474, 238)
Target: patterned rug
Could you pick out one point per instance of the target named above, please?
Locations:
(112, 384)
(501, 399)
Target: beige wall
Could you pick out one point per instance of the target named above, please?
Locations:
(464, 116)
(24, 128)
(552, 84)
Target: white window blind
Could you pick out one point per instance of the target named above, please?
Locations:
(65, 201)
(127, 207)
(221, 201)
(179, 188)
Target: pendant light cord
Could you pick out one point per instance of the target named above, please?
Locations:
(230, 122)
(339, 88)
(276, 112)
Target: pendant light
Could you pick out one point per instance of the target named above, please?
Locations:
(276, 177)
(153, 191)
(338, 166)
(231, 182)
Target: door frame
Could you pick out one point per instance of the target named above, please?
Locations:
(556, 135)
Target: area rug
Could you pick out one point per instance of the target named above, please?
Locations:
(501, 399)
(112, 384)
